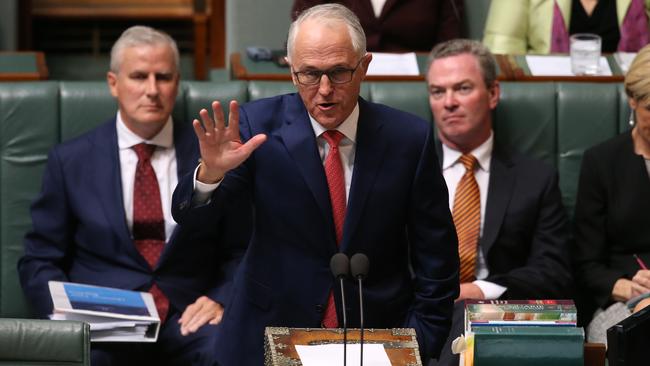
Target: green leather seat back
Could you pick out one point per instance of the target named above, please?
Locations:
(29, 114)
(32, 342)
(84, 106)
(623, 109)
(587, 114)
(201, 94)
(87, 104)
(525, 119)
(407, 96)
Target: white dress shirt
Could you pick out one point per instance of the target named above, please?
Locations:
(163, 162)
(453, 170)
(378, 6)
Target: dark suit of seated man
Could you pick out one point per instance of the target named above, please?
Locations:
(103, 215)
(507, 208)
(327, 172)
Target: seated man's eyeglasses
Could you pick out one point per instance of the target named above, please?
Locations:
(336, 75)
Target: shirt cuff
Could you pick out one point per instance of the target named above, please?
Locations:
(491, 290)
(202, 191)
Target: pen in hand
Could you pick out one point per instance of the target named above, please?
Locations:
(640, 262)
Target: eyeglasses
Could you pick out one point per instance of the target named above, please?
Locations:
(336, 75)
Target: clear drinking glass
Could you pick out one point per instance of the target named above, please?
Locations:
(585, 53)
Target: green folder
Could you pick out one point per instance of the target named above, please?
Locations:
(530, 346)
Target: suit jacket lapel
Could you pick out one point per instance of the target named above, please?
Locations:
(107, 183)
(370, 150)
(299, 139)
(498, 199)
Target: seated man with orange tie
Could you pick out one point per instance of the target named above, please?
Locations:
(103, 215)
(512, 228)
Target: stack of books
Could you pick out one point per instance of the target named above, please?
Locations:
(522, 332)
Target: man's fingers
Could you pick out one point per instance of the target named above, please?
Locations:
(217, 113)
(208, 123)
(247, 149)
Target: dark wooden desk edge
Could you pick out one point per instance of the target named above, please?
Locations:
(41, 73)
(594, 354)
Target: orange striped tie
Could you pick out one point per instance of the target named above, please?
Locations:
(467, 218)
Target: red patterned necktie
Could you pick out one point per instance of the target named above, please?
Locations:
(148, 220)
(336, 184)
(467, 218)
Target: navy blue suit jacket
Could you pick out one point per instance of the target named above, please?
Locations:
(80, 232)
(397, 215)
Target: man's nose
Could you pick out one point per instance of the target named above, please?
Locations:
(450, 99)
(151, 85)
(324, 85)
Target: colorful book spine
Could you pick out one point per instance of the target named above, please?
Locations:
(520, 313)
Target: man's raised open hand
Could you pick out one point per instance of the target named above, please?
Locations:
(221, 146)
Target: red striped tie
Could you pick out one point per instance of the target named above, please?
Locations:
(336, 184)
(467, 218)
(148, 219)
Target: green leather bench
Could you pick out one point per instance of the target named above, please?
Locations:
(555, 122)
(34, 342)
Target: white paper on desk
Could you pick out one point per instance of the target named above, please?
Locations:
(332, 355)
(393, 64)
(559, 66)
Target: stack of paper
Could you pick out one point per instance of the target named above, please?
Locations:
(114, 315)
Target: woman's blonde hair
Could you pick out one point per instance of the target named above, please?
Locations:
(637, 79)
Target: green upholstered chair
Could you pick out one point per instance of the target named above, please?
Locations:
(29, 342)
(29, 126)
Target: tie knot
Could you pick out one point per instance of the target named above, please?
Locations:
(469, 162)
(333, 137)
(144, 151)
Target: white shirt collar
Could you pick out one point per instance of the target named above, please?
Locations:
(483, 153)
(348, 128)
(126, 138)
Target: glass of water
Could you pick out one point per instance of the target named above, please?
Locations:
(585, 53)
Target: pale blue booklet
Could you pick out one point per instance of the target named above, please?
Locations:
(114, 315)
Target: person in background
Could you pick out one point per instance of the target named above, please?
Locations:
(103, 216)
(612, 227)
(401, 25)
(544, 26)
(327, 172)
(512, 227)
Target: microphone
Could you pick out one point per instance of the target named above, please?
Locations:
(340, 266)
(359, 265)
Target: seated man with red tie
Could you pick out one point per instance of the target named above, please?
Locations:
(507, 208)
(103, 215)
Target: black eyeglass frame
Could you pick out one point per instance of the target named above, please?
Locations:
(320, 73)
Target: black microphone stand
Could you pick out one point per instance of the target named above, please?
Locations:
(340, 266)
(359, 267)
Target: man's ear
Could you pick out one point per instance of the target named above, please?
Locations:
(495, 93)
(111, 79)
(366, 63)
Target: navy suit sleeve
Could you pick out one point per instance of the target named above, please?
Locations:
(434, 255)
(48, 243)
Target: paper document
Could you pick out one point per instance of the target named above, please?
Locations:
(559, 66)
(114, 315)
(393, 64)
(624, 60)
(332, 355)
